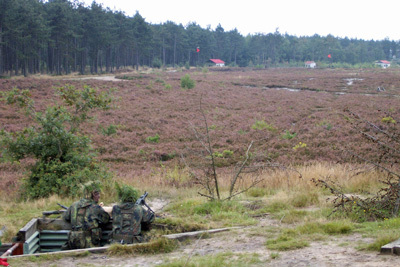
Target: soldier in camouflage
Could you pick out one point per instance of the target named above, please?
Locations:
(86, 218)
(129, 219)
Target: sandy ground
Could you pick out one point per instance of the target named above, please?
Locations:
(336, 251)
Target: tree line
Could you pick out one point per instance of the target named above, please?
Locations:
(64, 36)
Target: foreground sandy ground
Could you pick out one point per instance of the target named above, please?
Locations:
(335, 251)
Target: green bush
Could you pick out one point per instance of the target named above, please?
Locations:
(288, 135)
(187, 65)
(187, 82)
(110, 130)
(64, 158)
(153, 139)
(261, 125)
(388, 120)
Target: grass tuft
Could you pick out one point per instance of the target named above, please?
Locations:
(217, 260)
(161, 245)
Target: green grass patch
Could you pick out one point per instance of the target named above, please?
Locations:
(274, 255)
(262, 125)
(181, 225)
(292, 216)
(300, 236)
(260, 192)
(217, 260)
(384, 232)
(329, 228)
(289, 240)
(304, 199)
(386, 238)
(153, 139)
(14, 215)
(219, 213)
(161, 245)
(288, 135)
(46, 258)
(276, 206)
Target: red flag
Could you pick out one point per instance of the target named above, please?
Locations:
(198, 50)
(329, 56)
(3, 262)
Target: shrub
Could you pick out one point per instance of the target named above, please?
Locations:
(153, 139)
(388, 120)
(299, 145)
(187, 82)
(187, 65)
(224, 154)
(261, 125)
(110, 130)
(288, 135)
(64, 158)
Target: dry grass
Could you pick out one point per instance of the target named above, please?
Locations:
(283, 186)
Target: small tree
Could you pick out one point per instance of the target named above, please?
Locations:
(64, 159)
(208, 178)
(187, 82)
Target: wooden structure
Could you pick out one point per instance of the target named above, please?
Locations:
(41, 235)
(391, 248)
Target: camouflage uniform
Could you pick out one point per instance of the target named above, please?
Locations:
(129, 219)
(86, 218)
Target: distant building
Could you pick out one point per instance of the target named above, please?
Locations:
(383, 63)
(310, 64)
(218, 62)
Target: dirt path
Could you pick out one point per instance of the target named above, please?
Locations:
(335, 251)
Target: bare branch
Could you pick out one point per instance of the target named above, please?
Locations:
(210, 197)
(374, 139)
(240, 170)
(373, 163)
(372, 125)
(210, 151)
(244, 190)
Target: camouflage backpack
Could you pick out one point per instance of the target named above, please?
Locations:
(83, 234)
(127, 218)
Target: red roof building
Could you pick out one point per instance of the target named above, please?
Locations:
(218, 62)
(310, 64)
(383, 63)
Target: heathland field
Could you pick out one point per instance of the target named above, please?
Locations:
(301, 124)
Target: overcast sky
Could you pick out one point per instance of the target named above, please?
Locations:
(362, 19)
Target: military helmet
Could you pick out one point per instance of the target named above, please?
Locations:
(89, 188)
(126, 193)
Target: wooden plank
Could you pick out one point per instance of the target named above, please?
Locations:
(66, 252)
(396, 250)
(29, 229)
(182, 236)
(391, 248)
(53, 224)
(104, 249)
